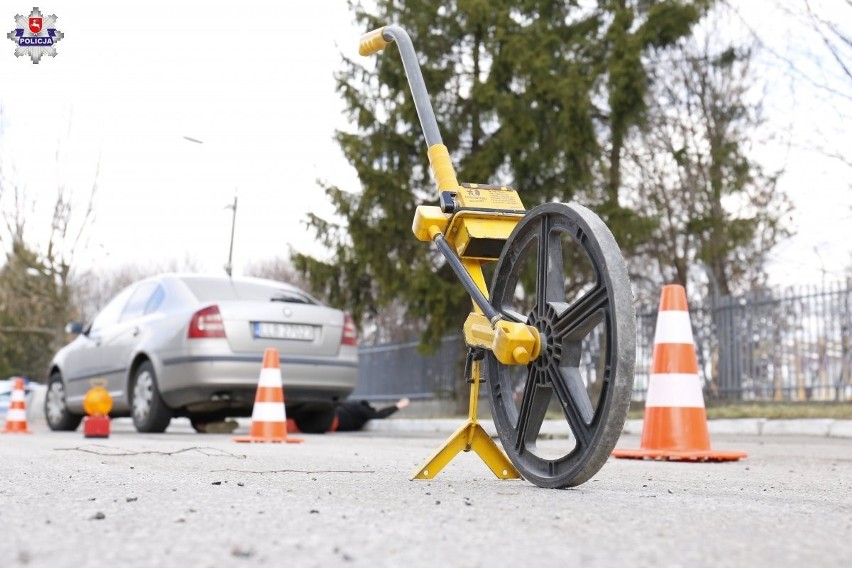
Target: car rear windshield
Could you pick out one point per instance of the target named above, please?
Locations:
(214, 290)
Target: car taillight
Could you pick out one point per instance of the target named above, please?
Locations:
(206, 323)
(350, 334)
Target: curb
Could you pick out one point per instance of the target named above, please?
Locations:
(820, 427)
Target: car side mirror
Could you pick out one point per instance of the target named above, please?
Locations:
(74, 327)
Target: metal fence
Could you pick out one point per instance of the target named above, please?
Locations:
(393, 370)
(776, 345)
(793, 344)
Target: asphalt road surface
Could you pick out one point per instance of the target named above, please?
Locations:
(185, 499)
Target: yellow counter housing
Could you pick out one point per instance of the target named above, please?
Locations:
(487, 214)
(478, 236)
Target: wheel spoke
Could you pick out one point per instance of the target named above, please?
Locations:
(55, 401)
(533, 409)
(550, 283)
(142, 396)
(576, 321)
(571, 392)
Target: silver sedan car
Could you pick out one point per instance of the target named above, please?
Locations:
(192, 345)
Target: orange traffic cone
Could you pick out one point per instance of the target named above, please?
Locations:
(675, 426)
(16, 417)
(269, 417)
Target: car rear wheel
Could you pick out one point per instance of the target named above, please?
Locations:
(150, 413)
(59, 418)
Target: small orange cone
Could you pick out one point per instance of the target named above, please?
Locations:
(675, 426)
(16, 417)
(269, 418)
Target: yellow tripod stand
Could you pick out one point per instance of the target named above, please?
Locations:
(469, 436)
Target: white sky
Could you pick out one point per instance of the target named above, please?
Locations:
(802, 120)
(254, 82)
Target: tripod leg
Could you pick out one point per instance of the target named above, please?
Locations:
(480, 442)
(492, 455)
(443, 455)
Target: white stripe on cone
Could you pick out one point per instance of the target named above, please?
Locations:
(268, 412)
(675, 389)
(269, 378)
(673, 327)
(16, 415)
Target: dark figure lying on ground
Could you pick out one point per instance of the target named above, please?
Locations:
(346, 416)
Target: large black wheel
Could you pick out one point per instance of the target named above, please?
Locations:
(150, 413)
(59, 418)
(562, 272)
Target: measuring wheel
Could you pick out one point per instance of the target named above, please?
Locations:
(562, 272)
(558, 331)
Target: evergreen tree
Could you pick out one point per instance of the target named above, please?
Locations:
(35, 305)
(536, 94)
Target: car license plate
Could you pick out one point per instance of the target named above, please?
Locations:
(270, 330)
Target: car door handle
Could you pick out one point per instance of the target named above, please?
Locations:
(135, 331)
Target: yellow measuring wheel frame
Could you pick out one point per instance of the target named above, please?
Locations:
(474, 224)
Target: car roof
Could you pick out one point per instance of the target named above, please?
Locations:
(205, 276)
(225, 278)
(186, 277)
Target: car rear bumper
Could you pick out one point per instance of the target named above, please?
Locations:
(203, 383)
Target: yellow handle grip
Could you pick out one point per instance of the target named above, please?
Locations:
(372, 42)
